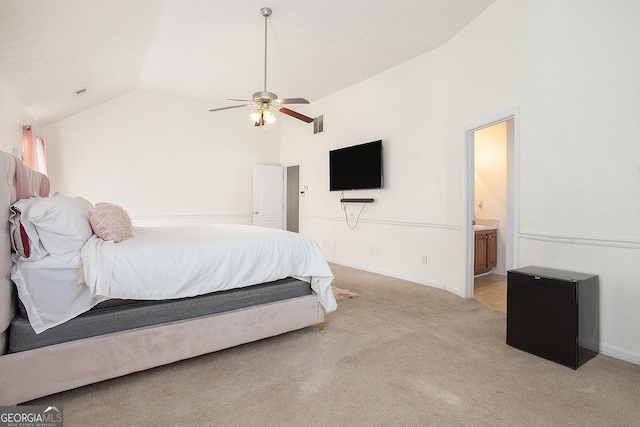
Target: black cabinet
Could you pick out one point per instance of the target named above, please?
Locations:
(553, 314)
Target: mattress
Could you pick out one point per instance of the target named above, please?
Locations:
(118, 315)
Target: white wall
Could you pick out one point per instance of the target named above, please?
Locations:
(165, 160)
(403, 107)
(571, 68)
(12, 117)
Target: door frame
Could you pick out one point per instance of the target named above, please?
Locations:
(468, 202)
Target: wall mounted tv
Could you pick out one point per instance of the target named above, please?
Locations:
(358, 167)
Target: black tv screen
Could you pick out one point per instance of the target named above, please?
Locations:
(358, 167)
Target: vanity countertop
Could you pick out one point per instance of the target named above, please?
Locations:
(478, 227)
(485, 224)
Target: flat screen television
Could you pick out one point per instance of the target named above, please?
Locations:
(358, 167)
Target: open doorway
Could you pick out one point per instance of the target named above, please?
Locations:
(292, 186)
(490, 207)
(490, 215)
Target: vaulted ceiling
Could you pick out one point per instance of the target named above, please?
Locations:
(210, 50)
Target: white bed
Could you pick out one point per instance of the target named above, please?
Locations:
(35, 373)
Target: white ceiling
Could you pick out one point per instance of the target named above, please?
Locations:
(210, 50)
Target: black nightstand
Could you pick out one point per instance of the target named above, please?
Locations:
(553, 314)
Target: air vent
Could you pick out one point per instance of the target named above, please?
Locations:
(78, 93)
(318, 124)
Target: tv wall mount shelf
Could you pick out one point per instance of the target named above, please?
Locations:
(367, 200)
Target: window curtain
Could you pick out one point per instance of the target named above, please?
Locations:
(35, 150)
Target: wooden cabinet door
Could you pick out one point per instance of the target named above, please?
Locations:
(486, 251)
(480, 263)
(492, 249)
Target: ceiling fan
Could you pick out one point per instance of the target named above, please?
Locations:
(265, 100)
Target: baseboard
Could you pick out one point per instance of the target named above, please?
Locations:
(397, 276)
(617, 353)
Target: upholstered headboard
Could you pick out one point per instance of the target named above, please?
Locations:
(16, 182)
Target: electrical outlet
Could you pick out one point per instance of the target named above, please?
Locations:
(424, 259)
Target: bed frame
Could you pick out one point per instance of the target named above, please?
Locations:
(40, 372)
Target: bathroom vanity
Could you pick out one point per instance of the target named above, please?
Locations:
(486, 248)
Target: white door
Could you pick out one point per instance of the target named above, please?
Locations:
(268, 202)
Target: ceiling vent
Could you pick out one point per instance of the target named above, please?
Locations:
(78, 93)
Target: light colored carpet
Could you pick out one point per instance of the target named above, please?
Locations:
(401, 354)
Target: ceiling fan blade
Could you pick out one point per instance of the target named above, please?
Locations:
(236, 99)
(292, 101)
(295, 114)
(233, 106)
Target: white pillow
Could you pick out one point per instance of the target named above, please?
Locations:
(62, 223)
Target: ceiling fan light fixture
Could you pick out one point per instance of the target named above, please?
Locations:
(255, 116)
(268, 116)
(263, 115)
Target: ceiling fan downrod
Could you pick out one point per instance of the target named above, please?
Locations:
(266, 12)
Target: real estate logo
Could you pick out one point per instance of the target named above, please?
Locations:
(31, 416)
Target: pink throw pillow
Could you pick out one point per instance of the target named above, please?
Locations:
(110, 222)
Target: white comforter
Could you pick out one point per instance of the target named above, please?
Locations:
(177, 262)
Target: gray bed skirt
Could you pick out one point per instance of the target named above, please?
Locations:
(119, 315)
